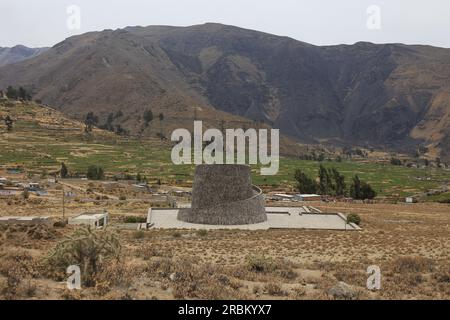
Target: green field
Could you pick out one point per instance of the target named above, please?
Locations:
(38, 149)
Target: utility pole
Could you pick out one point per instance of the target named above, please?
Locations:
(63, 204)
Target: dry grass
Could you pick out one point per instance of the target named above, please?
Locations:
(409, 243)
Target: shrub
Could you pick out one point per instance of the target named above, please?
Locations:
(396, 162)
(60, 224)
(25, 194)
(139, 234)
(412, 265)
(354, 218)
(189, 280)
(202, 232)
(87, 249)
(260, 264)
(17, 266)
(134, 219)
(274, 289)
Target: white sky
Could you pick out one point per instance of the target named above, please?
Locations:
(44, 22)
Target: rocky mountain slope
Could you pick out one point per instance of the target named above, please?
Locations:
(18, 53)
(383, 95)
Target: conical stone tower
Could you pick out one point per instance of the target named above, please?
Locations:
(224, 195)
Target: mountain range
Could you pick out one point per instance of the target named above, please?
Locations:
(390, 96)
(18, 53)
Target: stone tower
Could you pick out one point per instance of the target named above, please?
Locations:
(224, 195)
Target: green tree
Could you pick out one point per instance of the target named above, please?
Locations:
(305, 184)
(64, 172)
(11, 93)
(361, 190)
(8, 123)
(120, 131)
(367, 191)
(355, 188)
(325, 182)
(23, 94)
(109, 122)
(90, 121)
(148, 117)
(339, 182)
(161, 132)
(396, 162)
(119, 114)
(95, 173)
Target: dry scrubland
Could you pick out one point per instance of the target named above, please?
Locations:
(410, 244)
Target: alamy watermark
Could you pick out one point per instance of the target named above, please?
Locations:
(374, 279)
(74, 279)
(374, 17)
(73, 21)
(231, 151)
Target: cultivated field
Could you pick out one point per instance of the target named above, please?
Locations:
(43, 138)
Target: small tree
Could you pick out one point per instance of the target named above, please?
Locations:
(109, 122)
(25, 194)
(95, 173)
(11, 93)
(396, 162)
(23, 94)
(361, 190)
(367, 191)
(120, 131)
(64, 172)
(355, 188)
(8, 123)
(90, 250)
(161, 132)
(148, 117)
(325, 183)
(90, 121)
(339, 182)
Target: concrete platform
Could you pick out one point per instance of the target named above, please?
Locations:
(277, 218)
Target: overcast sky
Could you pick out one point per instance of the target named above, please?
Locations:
(45, 22)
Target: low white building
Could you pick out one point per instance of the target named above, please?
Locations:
(308, 197)
(411, 200)
(283, 197)
(95, 220)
